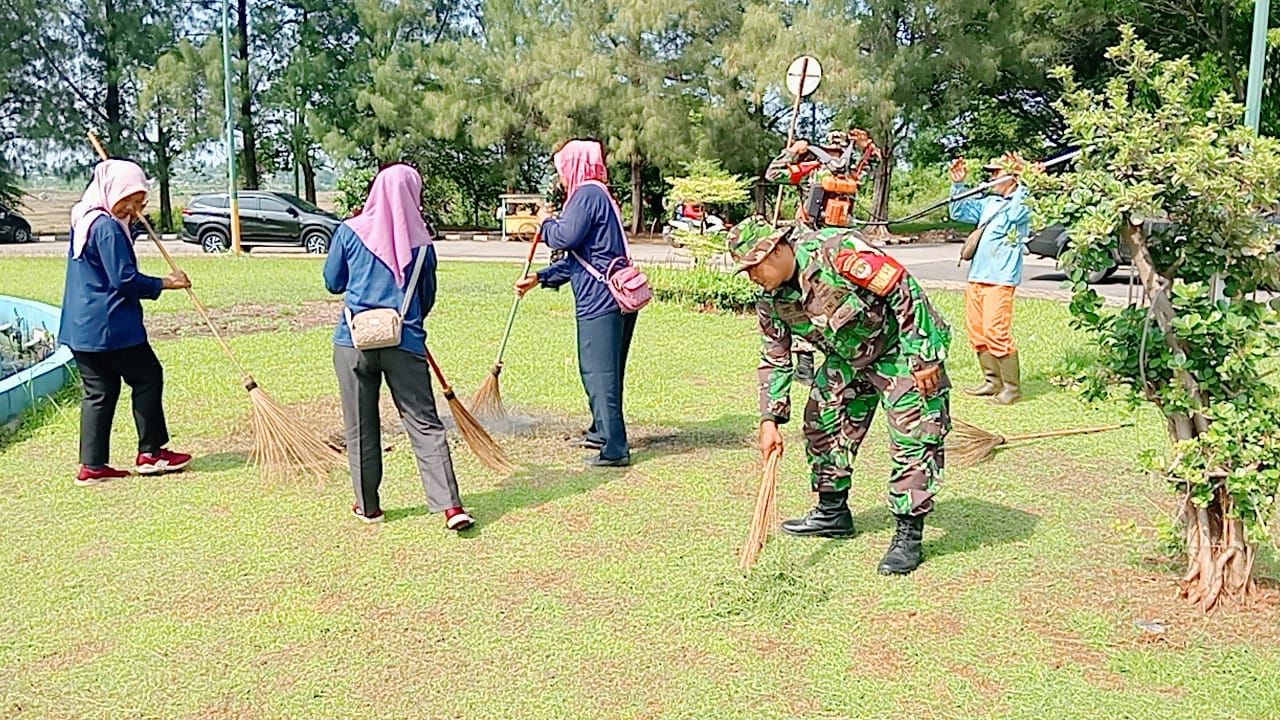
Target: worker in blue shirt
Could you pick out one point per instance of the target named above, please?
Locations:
(371, 263)
(1003, 222)
(591, 234)
(102, 324)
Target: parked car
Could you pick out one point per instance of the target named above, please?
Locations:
(13, 227)
(1051, 241)
(266, 219)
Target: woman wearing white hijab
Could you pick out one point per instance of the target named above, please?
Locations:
(102, 324)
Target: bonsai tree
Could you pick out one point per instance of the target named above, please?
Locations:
(707, 184)
(1184, 188)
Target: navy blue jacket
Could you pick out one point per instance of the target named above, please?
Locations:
(101, 303)
(590, 227)
(368, 283)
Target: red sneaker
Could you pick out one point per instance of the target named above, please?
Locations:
(162, 463)
(99, 475)
(374, 518)
(457, 519)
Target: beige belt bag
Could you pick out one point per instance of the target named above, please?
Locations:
(381, 327)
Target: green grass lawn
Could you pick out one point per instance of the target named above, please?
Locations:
(588, 594)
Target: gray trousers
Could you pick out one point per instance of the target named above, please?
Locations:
(360, 374)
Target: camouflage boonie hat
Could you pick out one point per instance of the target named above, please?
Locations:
(751, 241)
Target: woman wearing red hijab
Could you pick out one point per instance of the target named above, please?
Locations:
(590, 231)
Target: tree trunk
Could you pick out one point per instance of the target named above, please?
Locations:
(249, 158)
(163, 174)
(883, 179)
(309, 176)
(111, 78)
(1219, 557)
(637, 194)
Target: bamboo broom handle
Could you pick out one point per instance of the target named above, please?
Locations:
(1064, 433)
(511, 318)
(164, 252)
(445, 387)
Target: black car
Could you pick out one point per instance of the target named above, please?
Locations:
(13, 227)
(266, 219)
(1051, 241)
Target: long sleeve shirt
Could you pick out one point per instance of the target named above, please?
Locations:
(101, 303)
(591, 228)
(852, 302)
(367, 283)
(998, 259)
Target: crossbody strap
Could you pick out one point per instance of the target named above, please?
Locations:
(412, 287)
(622, 232)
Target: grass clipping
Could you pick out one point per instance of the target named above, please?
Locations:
(765, 516)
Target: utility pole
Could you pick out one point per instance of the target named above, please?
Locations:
(231, 127)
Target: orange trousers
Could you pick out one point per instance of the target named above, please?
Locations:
(988, 313)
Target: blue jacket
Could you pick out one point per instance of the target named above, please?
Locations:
(101, 303)
(998, 259)
(368, 283)
(590, 227)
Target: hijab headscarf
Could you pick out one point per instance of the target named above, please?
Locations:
(113, 181)
(391, 224)
(579, 161)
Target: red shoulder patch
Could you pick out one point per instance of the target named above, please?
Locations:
(873, 271)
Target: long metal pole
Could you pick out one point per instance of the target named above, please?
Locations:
(231, 127)
(1257, 59)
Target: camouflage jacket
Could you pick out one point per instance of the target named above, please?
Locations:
(850, 301)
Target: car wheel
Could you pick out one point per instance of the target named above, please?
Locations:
(316, 243)
(214, 242)
(21, 235)
(1098, 276)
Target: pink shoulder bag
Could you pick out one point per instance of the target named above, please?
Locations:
(626, 282)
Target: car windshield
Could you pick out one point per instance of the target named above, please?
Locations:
(299, 202)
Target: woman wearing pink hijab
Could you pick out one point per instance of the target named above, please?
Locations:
(590, 231)
(102, 324)
(371, 260)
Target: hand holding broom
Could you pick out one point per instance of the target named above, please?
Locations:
(487, 401)
(280, 443)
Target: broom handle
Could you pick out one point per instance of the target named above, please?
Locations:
(435, 368)
(791, 136)
(1063, 433)
(511, 318)
(200, 308)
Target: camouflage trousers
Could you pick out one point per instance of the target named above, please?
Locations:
(842, 405)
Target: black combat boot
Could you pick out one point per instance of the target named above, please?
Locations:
(905, 551)
(830, 519)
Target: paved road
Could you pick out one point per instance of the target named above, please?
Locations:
(935, 265)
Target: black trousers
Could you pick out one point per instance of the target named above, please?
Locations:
(603, 345)
(101, 373)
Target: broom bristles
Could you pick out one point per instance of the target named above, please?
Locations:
(282, 447)
(487, 451)
(765, 515)
(487, 401)
(968, 445)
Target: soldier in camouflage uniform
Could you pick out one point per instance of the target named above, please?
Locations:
(885, 345)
